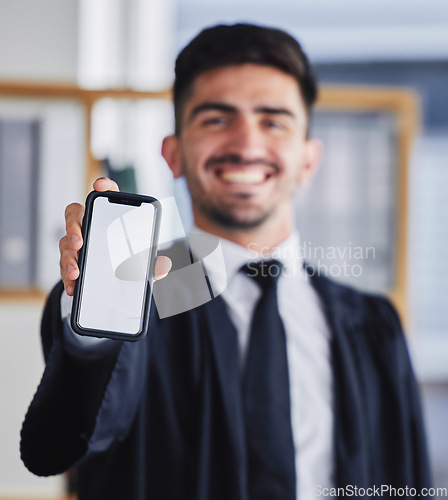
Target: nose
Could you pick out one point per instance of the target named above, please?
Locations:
(247, 139)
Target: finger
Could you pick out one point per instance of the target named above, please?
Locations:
(73, 220)
(163, 266)
(69, 265)
(105, 184)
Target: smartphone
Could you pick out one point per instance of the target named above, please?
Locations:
(113, 292)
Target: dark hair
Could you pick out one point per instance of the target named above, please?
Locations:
(223, 45)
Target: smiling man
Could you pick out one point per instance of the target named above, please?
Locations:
(284, 386)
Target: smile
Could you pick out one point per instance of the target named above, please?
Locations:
(244, 176)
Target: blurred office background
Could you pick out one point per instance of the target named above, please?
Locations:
(393, 46)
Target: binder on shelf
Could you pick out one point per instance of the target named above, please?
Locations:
(19, 155)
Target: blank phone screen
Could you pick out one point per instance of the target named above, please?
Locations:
(116, 267)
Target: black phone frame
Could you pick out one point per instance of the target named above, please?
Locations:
(125, 199)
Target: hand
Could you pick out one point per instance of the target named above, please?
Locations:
(72, 242)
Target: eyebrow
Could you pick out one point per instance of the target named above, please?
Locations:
(275, 111)
(228, 108)
(212, 106)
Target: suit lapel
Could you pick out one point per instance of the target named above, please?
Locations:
(351, 427)
(222, 395)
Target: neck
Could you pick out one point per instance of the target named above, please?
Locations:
(260, 239)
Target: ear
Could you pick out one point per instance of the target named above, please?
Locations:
(311, 161)
(171, 153)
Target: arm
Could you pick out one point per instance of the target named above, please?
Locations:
(61, 420)
(88, 397)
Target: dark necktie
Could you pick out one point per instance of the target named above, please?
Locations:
(271, 469)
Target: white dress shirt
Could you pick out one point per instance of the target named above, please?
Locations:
(308, 352)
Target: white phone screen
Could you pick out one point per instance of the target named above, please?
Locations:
(116, 267)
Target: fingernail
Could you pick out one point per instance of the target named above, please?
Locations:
(69, 289)
(70, 269)
(74, 239)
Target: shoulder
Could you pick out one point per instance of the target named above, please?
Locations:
(366, 326)
(357, 309)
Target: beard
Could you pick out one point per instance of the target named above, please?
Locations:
(226, 218)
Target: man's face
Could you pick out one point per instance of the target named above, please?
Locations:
(242, 146)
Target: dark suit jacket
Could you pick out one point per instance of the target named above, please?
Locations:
(162, 418)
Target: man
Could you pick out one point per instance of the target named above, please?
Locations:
(200, 408)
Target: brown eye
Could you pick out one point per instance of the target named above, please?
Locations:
(274, 124)
(214, 121)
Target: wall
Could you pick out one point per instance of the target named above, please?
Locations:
(331, 31)
(38, 39)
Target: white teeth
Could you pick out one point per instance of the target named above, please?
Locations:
(241, 177)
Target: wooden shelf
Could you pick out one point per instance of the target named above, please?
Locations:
(405, 105)
(22, 294)
(71, 91)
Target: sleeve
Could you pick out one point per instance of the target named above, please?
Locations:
(84, 403)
